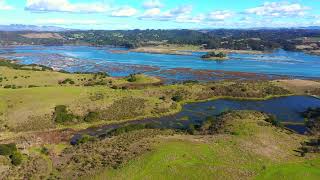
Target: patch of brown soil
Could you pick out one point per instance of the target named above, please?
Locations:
(41, 138)
(298, 85)
(42, 36)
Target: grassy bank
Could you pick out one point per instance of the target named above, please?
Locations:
(250, 149)
(29, 103)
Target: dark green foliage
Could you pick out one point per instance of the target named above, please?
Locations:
(132, 78)
(311, 146)
(214, 55)
(127, 128)
(177, 98)
(311, 113)
(85, 139)
(191, 129)
(92, 116)
(67, 81)
(313, 120)
(190, 82)
(207, 124)
(248, 90)
(32, 86)
(12, 152)
(16, 158)
(61, 115)
(273, 120)
(45, 151)
(100, 75)
(7, 149)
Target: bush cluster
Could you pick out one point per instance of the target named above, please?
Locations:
(11, 151)
(67, 81)
(214, 55)
(274, 121)
(61, 115)
(132, 78)
(85, 139)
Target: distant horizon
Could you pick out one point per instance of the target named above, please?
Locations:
(195, 29)
(161, 14)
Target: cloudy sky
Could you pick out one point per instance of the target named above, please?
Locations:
(161, 14)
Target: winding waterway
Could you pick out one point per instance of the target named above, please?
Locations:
(286, 109)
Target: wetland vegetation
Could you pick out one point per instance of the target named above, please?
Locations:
(39, 119)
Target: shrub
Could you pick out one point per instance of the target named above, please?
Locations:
(273, 120)
(132, 78)
(207, 123)
(92, 116)
(16, 158)
(311, 113)
(44, 150)
(191, 129)
(127, 128)
(214, 54)
(66, 81)
(7, 149)
(32, 86)
(12, 152)
(61, 115)
(85, 138)
(177, 98)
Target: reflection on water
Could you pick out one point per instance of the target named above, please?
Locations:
(286, 109)
(93, 59)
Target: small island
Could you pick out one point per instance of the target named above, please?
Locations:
(215, 56)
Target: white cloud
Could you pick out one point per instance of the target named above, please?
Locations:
(64, 6)
(151, 13)
(182, 10)
(191, 19)
(4, 5)
(219, 15)
(124, 12)
(204, 18)
(151, 4)
(173, 14)
(279, 9)
(67, 22)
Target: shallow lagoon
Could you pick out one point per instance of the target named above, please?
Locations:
(93, 59)
(286, 109)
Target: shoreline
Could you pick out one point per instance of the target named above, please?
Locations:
(78, 128)
(216, 59)
(188, 51)
(220, 74)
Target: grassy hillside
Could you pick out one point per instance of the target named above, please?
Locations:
(252, 149)
(40, 110)
(30, 94)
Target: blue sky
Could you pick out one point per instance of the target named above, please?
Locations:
(161, 14)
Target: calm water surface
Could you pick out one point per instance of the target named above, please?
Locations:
(286, 109)
(91, 59)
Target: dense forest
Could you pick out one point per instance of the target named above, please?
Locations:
(262, 40)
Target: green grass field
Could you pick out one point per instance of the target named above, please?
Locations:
(257, 151)
(308, 170)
